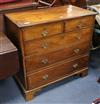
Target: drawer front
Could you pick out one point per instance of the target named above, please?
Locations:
(55, 72)
(41, 31)
(79, 23)
(38, 61)
(56, 42)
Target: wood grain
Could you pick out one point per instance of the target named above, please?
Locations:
(62, 51)
(56, 42)
(55, 72)
(40, 31)
(79, 23)
(34, 62)
(9, 63)
(43, 16)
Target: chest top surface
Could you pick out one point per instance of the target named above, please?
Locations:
(33, 17)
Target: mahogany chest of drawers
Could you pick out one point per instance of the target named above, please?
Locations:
(53, 43)
(8, 57)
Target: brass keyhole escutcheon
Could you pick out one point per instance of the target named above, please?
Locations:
(45, 77)
(77, 51)
(45, 61)
(75, 66)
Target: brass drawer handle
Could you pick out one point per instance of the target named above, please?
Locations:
(75, 66)
(44, 33)
(76, 51)
(44, 45)
(45, 61)
(45, 77)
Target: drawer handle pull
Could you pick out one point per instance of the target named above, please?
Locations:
(77, 51)
(45, 77)
(44, 45)
(44, 33)
(45, 61)
(75, 66)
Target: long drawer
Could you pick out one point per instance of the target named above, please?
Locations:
(55, 72)
(56, 42)
(38, 61)
(79, 23)
(44, 30)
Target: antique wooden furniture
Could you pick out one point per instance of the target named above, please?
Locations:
(7, 1)
(54, 44)
(18, 5)
(9, 64)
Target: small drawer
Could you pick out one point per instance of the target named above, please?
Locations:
(38, 61)
(56, 72)
(41, 31)
(79, 23)
(56, 42)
